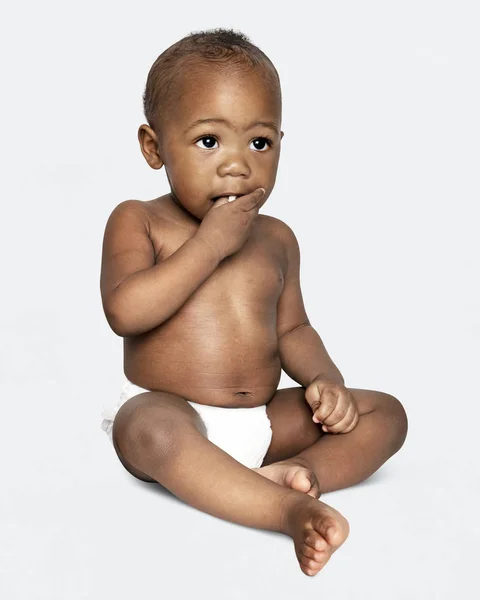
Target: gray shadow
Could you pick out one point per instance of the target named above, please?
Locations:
(155, 488)
(378, 477)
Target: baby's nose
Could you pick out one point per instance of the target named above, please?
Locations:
(235, 164)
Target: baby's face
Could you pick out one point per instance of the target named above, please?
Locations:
(233, 153)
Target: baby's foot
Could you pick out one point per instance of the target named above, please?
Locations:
(294, 474)
(317, 530)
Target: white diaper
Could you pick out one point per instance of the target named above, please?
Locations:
(244, 433)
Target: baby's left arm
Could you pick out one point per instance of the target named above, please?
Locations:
(303, 355)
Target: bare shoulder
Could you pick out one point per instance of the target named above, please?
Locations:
(127, 214)
(135, 208)
(280, 230)
(281, 237)
(148, 215)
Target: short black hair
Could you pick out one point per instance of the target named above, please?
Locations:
(225, 48)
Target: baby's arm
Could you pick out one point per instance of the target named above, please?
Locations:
(137, 294)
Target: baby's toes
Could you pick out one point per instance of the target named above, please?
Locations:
(335, 532)
(305, 480)
(312, 560)
(318, 556)
(316, 542)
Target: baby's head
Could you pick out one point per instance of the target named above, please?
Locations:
(214, 108)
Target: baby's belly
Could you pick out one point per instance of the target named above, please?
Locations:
(219, 364)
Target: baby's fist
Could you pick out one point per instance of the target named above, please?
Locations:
(333, 405)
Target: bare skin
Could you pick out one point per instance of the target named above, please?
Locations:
(221, 346)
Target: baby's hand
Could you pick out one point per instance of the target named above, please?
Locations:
(227, 225)
(333, 405)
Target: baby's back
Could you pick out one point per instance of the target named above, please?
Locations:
(220, 347)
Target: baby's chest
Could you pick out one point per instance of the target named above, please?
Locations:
(254, 274)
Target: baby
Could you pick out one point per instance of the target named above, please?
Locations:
(205, 292)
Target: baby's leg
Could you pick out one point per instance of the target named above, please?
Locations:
(160, 435)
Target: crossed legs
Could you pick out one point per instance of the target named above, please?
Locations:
(337, 460)
(159, 437)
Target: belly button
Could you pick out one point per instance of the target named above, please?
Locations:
(243, 394)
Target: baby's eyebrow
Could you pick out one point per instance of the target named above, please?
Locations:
(269, 124)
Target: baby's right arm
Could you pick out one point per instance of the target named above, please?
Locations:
(137, 294)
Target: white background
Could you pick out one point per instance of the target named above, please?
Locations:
(378, 178)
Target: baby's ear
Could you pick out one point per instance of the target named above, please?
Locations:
(149, 146)
(281, 134)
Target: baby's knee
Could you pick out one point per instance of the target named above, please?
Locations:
(149, 428)
(398, 421)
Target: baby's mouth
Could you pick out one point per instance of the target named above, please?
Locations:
(230, 198)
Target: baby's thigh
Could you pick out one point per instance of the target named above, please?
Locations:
(149, 418)
(292, 427)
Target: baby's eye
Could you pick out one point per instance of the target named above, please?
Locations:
(261, 143)
(209, 140)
